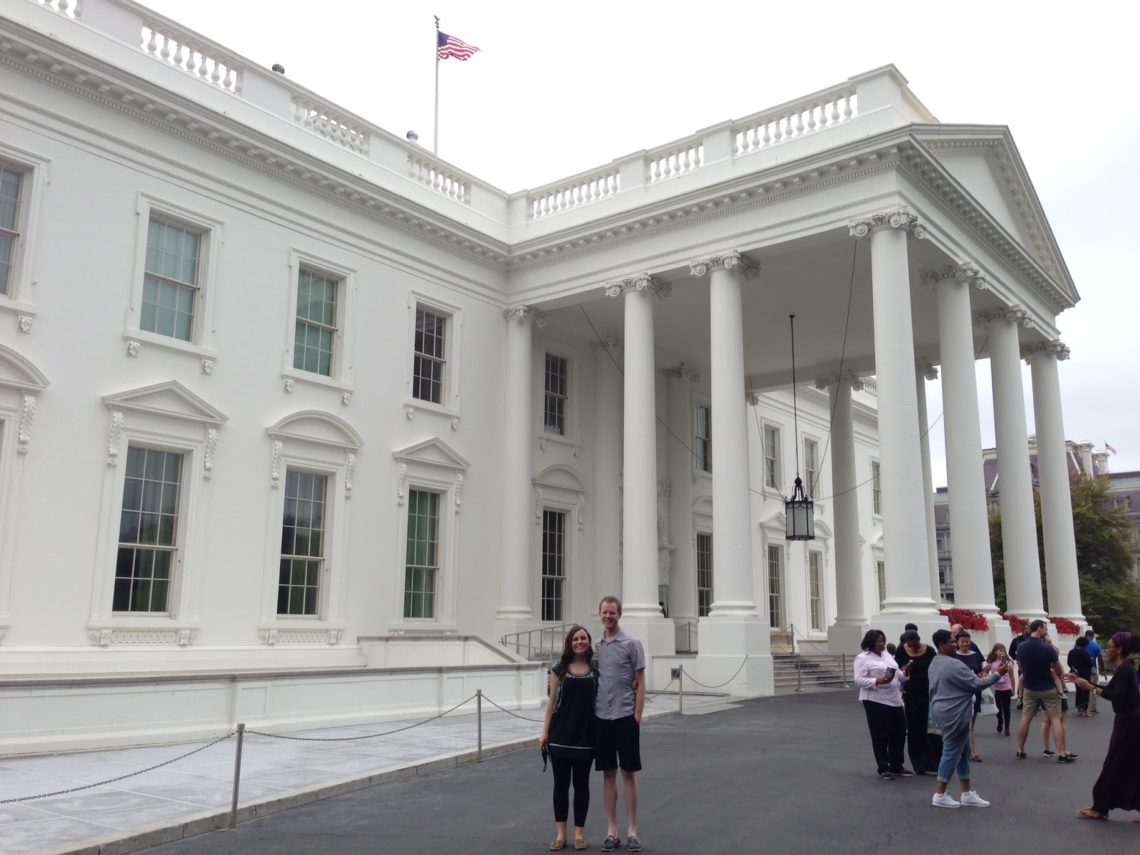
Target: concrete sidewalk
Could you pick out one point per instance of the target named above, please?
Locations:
(192, 795)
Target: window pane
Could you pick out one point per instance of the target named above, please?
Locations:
(148, 530)
(171, 280)
(422, 554)
(302, 542)
(429, 361)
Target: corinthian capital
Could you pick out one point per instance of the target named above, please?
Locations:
(834, 378)
(641, 282)
(1055, 347)
(525, 313)
(731, 260)
(1013, 314)
(900, 219)
(965, 273)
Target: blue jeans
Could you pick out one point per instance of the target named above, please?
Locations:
(955, 750)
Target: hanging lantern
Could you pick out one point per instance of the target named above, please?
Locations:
(799, 509)
(799, 514)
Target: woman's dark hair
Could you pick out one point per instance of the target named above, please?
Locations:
(870, 638)
(568, 650)
(1126, 642)
(910, 637)
(940, 637)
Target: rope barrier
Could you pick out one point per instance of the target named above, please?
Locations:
(119, 777)
(719, 685)
(511, 712)
(366, 736)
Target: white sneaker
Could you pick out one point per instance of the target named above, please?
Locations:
(944, 800)
(972, 799)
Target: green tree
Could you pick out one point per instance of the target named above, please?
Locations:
(1110, 596)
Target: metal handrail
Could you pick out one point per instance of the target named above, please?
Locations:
(550, 639)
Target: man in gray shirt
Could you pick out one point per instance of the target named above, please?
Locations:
(619, 704)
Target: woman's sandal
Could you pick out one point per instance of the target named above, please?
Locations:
(1089, 813)
(557, 844)
(580, 843)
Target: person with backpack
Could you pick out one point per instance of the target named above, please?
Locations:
(568, 733)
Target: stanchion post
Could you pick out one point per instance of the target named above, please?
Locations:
(478, 724)
(799, 673)
(681, 690)
(237, 775)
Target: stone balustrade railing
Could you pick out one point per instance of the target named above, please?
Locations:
(878, 99)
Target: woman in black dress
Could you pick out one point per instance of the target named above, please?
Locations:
(1119, 783)
(568, 733)
(917, 656)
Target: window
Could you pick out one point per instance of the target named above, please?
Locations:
(170, 283)
(815, 589)
(772, 457)
(703, 443)
(557, 393)
(10, 184)
(316, 322)
(430, 356)
(943, 541)
(876, 490)
(553, 563)
(148, 530)
(881, 573)
(811, 465)
(421, 567)
(704, 574)
(302, 543)
(775, 599)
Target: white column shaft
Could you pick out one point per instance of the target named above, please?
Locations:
(682, 565)
(1056, 501)
(732, 540)
(904, 516)
(607, 472)
(850, 607)
(969, 518)
(927, 484)
(514, 587)
(1015, 490)
(639, 498)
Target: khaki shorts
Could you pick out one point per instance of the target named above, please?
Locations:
(1049, 700)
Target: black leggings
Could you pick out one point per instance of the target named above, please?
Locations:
(1003, 698)
(564, 770)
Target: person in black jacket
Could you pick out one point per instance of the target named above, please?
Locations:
(1081, 664)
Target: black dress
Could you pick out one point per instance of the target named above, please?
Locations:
(572, 727)
(1119, 783)
(924, 756)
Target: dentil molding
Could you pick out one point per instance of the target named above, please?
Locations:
(900, 219)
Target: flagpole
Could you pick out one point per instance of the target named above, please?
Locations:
(435, 124)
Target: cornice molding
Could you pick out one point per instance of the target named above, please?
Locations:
(1055, 348)
(640, 282)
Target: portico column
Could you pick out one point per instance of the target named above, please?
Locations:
(924, 372)
(682, 566)
(641, 616)
(1053, 474)
(969, 518)
(607, 469)
(734, 642)
(1015, 489)
(851, 619)
(904, 516)
(515, 536)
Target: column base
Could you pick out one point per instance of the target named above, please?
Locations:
(724, 645)
(656, 634)
(845, 637)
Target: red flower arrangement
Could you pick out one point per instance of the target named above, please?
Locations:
(1016, 624)
(969, 619)
(1065, 626)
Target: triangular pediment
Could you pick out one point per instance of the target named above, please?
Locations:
(985, 162)
(170, 399)
(318, 427)
(433, 451)
(18, 372)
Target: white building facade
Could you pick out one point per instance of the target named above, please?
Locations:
(300, 419)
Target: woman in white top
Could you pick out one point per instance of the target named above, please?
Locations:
(880, 691)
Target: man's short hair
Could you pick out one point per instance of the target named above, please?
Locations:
(1082, 642)
(1035, 625)
(910, 626)
(940, 637)
(1089, 634)
(609, 598)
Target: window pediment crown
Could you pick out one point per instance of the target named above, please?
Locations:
(17, 372)
(317, 426)
(433, 451)
(170, 399)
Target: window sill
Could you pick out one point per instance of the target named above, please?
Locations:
(421, 626)
(299, 630)
(415, 405)
(140, 337)
(17, 307)
(333, 383)
(559, 439)
(137, 631)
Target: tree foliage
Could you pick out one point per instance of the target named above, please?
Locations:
(1110, 596)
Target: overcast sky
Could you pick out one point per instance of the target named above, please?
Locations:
(562, 87)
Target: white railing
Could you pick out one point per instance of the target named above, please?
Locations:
(182, 51)
(674, 161)
(574, 193)
(792, 121)
(546, 641)
(432, 174)
(324, 122)
(70, 8)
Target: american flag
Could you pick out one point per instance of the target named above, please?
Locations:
(1109, 448)
(450, 46)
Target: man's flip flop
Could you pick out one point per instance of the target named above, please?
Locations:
(1089, 813)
